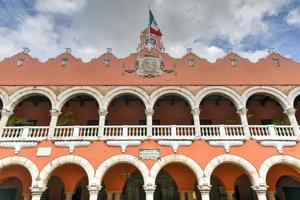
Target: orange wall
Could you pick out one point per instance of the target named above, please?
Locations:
(83, 113)
(122, 114)
(219, 114)
(178, 114)
(30, 112)
(258, 112)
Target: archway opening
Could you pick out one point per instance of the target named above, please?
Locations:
(31, 111)
(64, 182)
(211, 107)
(15, 181)
(176, 181)
(265, 110)
(297, 107)
(235, 181)
(124, 181)
(218, 191)
(172, 110)
(1, 107)
(284, 182)
(81, 191)
(79, 110)
(126, 110)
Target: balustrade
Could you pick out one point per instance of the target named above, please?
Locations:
(208, 132)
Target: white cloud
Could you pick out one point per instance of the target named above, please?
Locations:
(98, 24)
(254, 56)
(293, 18)
(59, 6)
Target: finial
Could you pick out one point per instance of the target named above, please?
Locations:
(229, 50)
(189, 50)
(271, 50)
(109, 50)
(68, 50)
(26, 50)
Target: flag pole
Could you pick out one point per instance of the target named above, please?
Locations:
(149, 25)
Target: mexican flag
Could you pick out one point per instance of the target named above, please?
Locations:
(154, 29)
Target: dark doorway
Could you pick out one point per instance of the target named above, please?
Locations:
(166, 188)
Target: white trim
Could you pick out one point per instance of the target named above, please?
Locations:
(68, 94)
(177, 158)
(266, 90)
(45, 173)
(3, 98)
(124, 158)
(293, 94)
(172, 90)
(22, 161)
(229, 93)
(275, 160)
(23, 93)
(124, 90)
(235, 160)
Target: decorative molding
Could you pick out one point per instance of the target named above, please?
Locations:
(18, 145)
(123, 143)
(226, 143)
(72, 144)
(175, 144)
(278, 144)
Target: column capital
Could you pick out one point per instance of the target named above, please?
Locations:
(149, 188)
(94, 189)
(55, 112)
(290, 111)
(242, 111)
(196, 111)
(37, 190)
(260, 189)
(102, 112)
(5, 112)
(149, 111)
(204, 189)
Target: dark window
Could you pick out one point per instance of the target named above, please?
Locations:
(93, 122)
(205, 122)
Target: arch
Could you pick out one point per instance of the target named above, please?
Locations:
(236, 160)
(273, 92)
(177, 158)
(223, 91)
(22, 161)
(4, 97)
(21, 94)
(107, 164)
(70, 159)
(182, 92)
(123, 90)
(79, 90)
(275, 160)
(294, 93)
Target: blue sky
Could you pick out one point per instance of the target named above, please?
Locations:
(210, 27)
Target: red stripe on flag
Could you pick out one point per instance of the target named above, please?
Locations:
(155, 32)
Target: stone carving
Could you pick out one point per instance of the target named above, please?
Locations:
(149, 66)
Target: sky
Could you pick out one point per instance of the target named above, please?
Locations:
(209, 27)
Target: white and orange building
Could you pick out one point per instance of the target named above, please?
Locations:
(149, 126)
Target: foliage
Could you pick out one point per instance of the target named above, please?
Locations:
(15, 120)
(231, 122)
(283, 121)
(66, 119)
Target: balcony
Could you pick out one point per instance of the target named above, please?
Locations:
(216, 135)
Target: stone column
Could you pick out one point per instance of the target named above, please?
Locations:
(37, 192)
(102, 115)
(5, 114)
(261, 191)
(293, 121)
(244, 120)
(94, 191)
(196, 112)
(54, 117)
(149, 190)
(204, 190)
(271, 195)
(230, 195)
(69, 195)
(26, 196)
(149, 113)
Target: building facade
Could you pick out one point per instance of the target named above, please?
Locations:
(149, 126)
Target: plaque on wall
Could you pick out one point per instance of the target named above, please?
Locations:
(149, 154)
